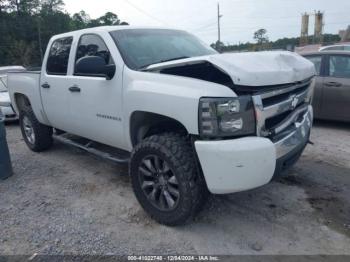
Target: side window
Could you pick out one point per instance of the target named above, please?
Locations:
(93, 45)
(317, 61)
(57, 62)
(339, 66)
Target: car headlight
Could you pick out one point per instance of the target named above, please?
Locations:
(222, 117)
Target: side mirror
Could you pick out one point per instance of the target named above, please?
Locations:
(94, 66)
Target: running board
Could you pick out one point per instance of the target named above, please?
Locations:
(105, 152)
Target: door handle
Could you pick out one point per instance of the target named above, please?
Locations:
(335, 84)
(74, 89)
(45, 85)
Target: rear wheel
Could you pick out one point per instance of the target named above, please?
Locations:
(165, 179)
(38, 137)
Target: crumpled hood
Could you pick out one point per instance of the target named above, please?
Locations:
(253, 68)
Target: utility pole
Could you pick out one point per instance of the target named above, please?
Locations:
(219, 29)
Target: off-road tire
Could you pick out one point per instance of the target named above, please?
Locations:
(42, 133)
(177, 151)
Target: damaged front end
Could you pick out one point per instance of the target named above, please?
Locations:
(244, 73)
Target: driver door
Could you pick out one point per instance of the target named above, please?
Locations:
(95, 102)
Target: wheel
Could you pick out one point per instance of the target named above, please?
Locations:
(165, 179)
(38, 137)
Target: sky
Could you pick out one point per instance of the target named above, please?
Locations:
(241, 18)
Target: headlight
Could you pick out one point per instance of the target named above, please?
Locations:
(222, 117)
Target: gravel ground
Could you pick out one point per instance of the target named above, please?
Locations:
(65, 201)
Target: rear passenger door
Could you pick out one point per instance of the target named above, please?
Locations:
(336, 88)
(54, 81)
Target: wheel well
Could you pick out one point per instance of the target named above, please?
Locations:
(145, 124)
(22, 101)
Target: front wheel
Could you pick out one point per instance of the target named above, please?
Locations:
(165, 178)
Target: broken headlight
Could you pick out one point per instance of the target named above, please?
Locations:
(223, 117)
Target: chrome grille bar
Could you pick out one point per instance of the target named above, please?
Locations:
(286, 89)
(293, 103)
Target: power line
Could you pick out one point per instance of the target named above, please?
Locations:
(270, 26)
(205, 26)
(144, 12)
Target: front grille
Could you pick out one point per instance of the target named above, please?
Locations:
(280, 98)
(279, 110)
(275, 120)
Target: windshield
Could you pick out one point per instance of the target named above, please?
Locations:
(143, 47)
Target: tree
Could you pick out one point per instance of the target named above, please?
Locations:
(26, 27)
(80, 20)
(24, 6)
(51, 6)
(109, 19)
(4, 5)
(261, 36)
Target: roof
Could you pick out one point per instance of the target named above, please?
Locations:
(111, 28)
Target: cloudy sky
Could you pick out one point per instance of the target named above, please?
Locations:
(281, 18)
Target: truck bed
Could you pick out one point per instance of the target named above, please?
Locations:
(27, 83)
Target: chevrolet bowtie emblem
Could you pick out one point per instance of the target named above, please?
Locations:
(295, 102)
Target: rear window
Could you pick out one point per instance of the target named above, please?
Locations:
(57, 62)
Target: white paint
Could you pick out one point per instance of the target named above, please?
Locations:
(229, 166)
(254, 68)
(236, 165)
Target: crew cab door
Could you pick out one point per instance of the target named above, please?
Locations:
(336, 88)
(95, 102)
(53, 83)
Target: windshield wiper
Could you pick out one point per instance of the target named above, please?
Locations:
(172, 59)
(163, 61)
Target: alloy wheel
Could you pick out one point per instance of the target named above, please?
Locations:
(159, 183)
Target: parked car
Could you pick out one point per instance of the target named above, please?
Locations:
(7, 110)
(332, 90)
(187, 119)
(340, 47)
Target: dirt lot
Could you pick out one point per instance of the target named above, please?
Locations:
(67, 202)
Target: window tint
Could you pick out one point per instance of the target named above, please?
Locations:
(57, 62)
(93, 45)
(316, 60)
(339, 66)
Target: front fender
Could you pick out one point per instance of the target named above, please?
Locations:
(171, 96)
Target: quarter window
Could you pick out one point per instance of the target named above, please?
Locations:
(93, 45)
(339, 66)
(57, 62)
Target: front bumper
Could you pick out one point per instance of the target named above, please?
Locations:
(241, 164)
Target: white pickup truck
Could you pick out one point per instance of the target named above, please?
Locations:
(186, 119)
